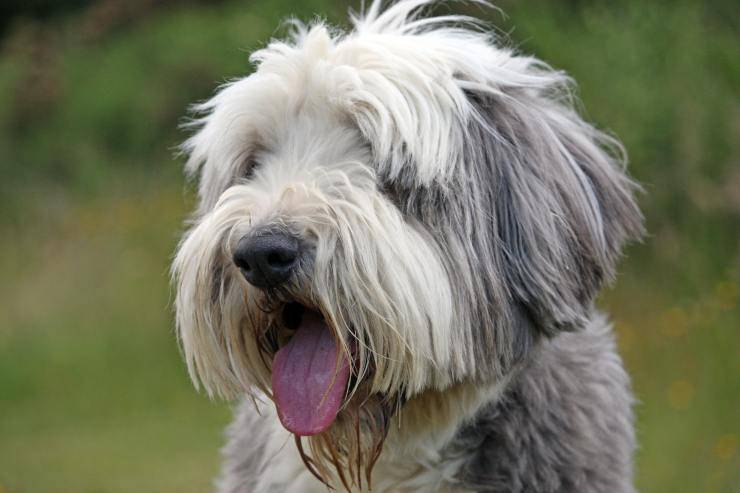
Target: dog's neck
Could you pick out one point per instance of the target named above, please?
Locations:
(428, 421)
(415, 457)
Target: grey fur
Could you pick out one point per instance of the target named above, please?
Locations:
(563, 425)
(539, 213)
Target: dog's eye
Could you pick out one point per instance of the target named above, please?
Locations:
(250, 162)
(247, 169)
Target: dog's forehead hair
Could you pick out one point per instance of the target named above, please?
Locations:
(291, 145)
(409, 108)
(309, 138)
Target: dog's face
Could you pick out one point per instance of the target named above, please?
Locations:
(397, 209)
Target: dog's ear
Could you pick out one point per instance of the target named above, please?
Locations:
(561, 203)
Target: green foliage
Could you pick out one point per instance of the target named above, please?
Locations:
(93, 396)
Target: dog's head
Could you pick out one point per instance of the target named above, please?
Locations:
(399, 208)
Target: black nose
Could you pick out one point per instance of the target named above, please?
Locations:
(267, 259)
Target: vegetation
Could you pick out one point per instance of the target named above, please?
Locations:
(93, 395)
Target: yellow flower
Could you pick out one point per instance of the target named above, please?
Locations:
(680, 394)
(725, 447)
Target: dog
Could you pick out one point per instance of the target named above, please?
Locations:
(399, 236)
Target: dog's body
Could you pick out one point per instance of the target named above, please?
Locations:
(400, 235)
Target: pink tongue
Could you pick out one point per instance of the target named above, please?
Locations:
(306, 383)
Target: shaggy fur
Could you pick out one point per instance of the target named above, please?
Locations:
(459, 218)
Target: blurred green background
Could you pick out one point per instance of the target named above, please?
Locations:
(93, 394)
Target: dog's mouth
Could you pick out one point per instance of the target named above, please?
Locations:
(310, 372)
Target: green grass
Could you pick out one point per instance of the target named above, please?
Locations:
(93, 394)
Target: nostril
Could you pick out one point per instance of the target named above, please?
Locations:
(281, 258)
(240, 259)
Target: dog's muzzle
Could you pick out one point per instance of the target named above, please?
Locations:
(267, 258)
(310, 372)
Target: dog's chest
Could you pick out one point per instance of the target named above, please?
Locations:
(413, 474)
(417, 476)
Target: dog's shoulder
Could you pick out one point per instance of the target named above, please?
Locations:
(564, 424)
